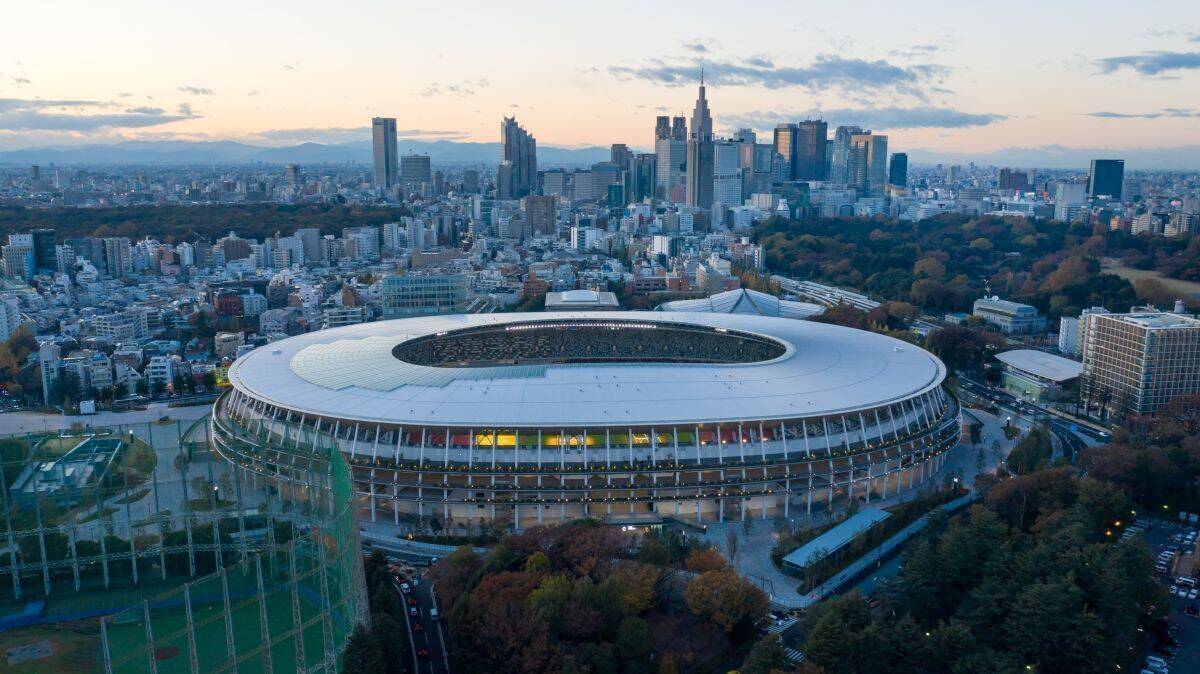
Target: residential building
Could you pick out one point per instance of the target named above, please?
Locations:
(1135, 363)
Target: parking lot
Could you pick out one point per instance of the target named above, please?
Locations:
(1170, 542)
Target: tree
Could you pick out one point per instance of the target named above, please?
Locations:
(731, 544)
(393, 642)
(767, 655)
(362, 654)
(725, 598)
(633, 638)
(705, 559)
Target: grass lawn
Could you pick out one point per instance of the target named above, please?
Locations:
(71, 650)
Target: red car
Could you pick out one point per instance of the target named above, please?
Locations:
(423, 652)
(412, 601)
(417, 627)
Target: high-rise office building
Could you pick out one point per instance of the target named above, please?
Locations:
(383, 147)
(809, 164)
(670, 152)
(518, 150)
(540, 214)
(898, 170)
(700, 154)
(1136, 363)
(727, 174)
(662, 127)
(45, 257)
(292, 175)
(839, 165)
(868, 163)
(1013, 180)
(642, 177)
(786, 141)
(619, 154)
(1106, 178)
(415, 170)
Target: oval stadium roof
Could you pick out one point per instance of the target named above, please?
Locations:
(351, 373)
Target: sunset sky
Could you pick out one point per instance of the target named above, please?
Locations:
(942, 76)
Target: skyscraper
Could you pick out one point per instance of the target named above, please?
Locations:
(540, 213)
(45, 257)
(619, 155)
(1106, 178)
(415, 169)
(641, 177)
(839, 168)
(868, 163)
(518, 148)
(662, 127)
(700, 155)
(786, 140)
(810, 150)
(898, 170)
(670, 151)
(383, 146)
(727, 175)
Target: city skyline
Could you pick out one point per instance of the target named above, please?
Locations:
(902, 75)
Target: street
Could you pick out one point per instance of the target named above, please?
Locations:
(426, 637)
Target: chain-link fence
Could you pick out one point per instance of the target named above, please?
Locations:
(213, 561)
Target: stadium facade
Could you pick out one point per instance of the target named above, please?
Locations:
(634, 417)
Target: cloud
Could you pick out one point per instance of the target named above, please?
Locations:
(1151, 63)
(697, 46)
(1164, 113)
(20, 81)
(826, 71)
(875, 118)
(69, 115)
(124, 94)
(196, 91)
(342, 134)
(760, 62)
(253, 92)
(464, 88)
(291, 65)
(185, 109)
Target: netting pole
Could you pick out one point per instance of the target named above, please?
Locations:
(230, 648)
(133, 558)
(162, 534)
(297, 616)
(262, 617)
(37, 508)
(149, 638)
(106, 653)
(187, 515)
(193, 654)
(12, 546)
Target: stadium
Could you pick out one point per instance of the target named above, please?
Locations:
(636, 417)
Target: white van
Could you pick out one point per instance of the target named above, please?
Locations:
(433, 613)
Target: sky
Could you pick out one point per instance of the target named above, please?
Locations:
(937, 76)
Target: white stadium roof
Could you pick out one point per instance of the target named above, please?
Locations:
(350, 373)
(743, 301)
(1042, 364)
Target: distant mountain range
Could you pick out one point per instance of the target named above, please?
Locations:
(177, 152)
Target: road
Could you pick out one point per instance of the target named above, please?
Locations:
(1072, 438)
(428, 642)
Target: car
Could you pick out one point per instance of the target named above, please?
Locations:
(1192, 610)
(416, 580)
(412, 601)
(1193, 593)
(418, 627)
(433, 613)
(398, 579)
(423, 652)
(1155, 660)
(405, 588)
(414, 611)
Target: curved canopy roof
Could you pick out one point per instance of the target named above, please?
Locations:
(744, 301)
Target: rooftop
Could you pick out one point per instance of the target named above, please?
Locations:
(835, 539)
(1042, 364)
